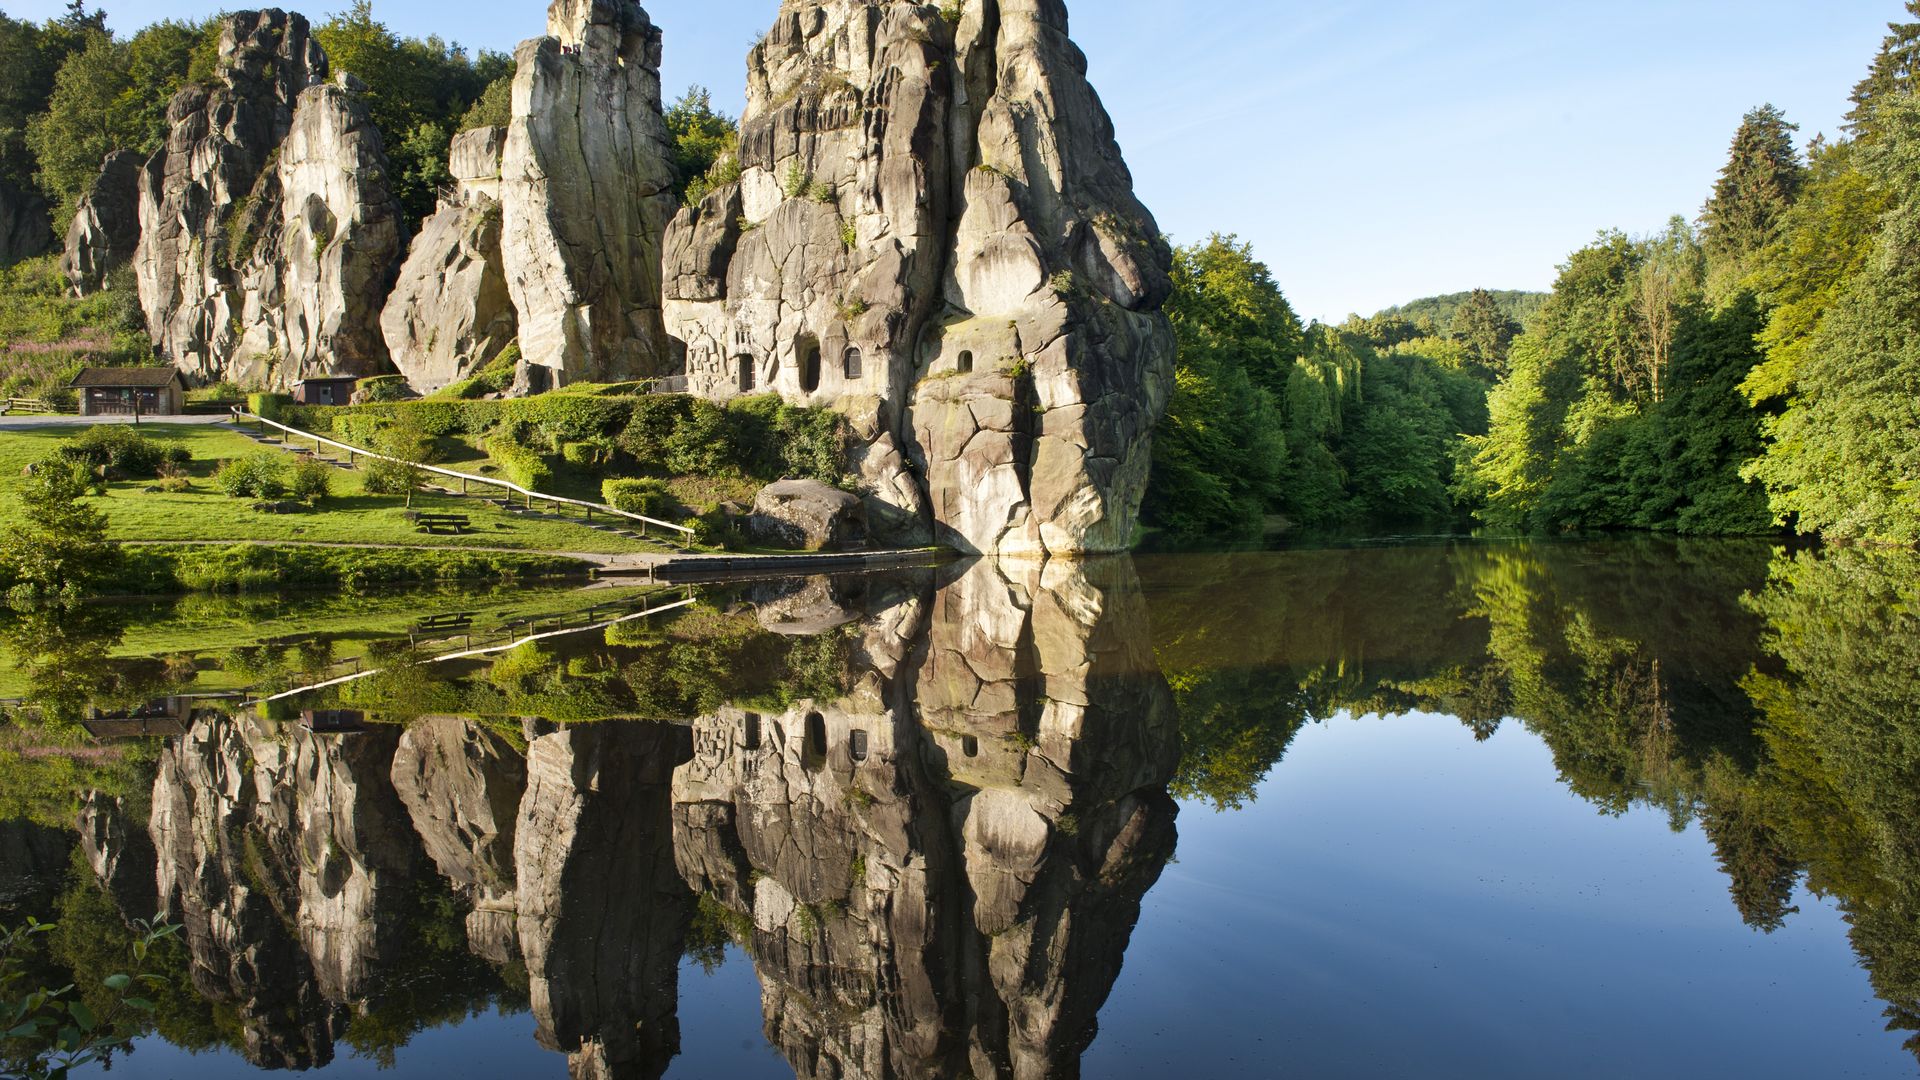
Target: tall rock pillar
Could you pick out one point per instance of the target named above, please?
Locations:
(586, 185)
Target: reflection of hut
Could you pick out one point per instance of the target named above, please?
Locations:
(333, 721)
(158, 718)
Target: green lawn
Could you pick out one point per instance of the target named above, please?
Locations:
(349, 516)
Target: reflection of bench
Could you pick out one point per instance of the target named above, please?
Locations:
(453, 620)
(434, 523)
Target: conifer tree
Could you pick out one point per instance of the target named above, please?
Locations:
(1761, 180)
(1893, 72)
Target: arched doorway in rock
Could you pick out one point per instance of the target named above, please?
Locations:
(807, 354)
(965, 366)
(813, 750)
(743, 365)
(853, 365)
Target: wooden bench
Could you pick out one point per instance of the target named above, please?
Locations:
(435, 523)
(452, 620)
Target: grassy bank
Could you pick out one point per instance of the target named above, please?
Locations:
(349, 516)
(160, 570)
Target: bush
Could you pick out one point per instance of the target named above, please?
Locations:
(312, 480)
(392, 478)
(270, 406)
(644, 497)
(592, 454)
(384, 388)
(121, 449)
(260, 475)
(519, 464)
(493, 378)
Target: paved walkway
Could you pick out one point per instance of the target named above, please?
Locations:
(36, 421)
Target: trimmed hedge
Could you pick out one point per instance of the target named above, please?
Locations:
(761, 438)
(519, 464)
(644, 497)
(275, 407)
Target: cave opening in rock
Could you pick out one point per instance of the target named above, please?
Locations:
(970, 746)
(753, 731)
(814, 755)
(808, 351)
(745, 365)
(965, 366)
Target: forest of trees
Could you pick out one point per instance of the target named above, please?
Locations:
(1753, 370)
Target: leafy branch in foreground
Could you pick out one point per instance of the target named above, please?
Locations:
(51, 1032)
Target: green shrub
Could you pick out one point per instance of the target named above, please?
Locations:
(591, 454)
(384, 388)
(519, 464)
(493, 377)
(312, 480)
(119, 448)
(392, 478)
(259, 475)
(646, 497)
(273, 407)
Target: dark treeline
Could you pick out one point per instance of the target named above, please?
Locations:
(1752, 370)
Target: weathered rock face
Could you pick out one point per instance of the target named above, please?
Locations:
(969, 276)
(586, 185)
(106, 224)
(809, 515)
(24, 228)
(451, 312)
(120, 854)
(268, 235)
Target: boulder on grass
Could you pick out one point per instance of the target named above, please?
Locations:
(807, 515)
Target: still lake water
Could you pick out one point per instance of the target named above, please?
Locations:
(1478, 810)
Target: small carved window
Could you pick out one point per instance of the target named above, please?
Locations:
(809, 357)
(753, 731)
(965, 367)
(854, 365)
(857, 746)
(970, 746)
(745, 364)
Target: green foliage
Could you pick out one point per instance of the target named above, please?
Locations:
(51, 1032)
(1760, 182)
(1891, 76)
(274, 407)
(493, 108)
(1845, 459)
(260, 475)
(706, 145)
(56, 551)
(493, 377)
(418, 91)
(646, 497)
(1437, 315)
(383, 388)
(311, 480)
(47, 335)
(520, 464)
(121, 450)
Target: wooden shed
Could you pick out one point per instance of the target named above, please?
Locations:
(130, 391)
(325, 390)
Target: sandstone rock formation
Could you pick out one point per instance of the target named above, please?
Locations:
(808, 515)
(450, 312)
(106, 224)
(268, 235)
(24, 228)
(586, 185)
(941, 240)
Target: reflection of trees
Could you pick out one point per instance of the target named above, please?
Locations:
(1841, 724)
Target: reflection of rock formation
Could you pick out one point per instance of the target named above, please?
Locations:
(603, 917)
(463, 784)
(224, 875)
(951, 896)
(120, 853)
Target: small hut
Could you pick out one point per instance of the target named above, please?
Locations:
(325, 390)
(130, 391)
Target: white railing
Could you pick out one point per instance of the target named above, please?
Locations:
(465, 478)
(474, 654)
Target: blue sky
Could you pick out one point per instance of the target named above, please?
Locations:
(1372, 152)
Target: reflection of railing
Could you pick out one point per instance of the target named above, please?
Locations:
(353, 452)
(510, 640)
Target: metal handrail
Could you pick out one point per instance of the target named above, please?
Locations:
(319, 440)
